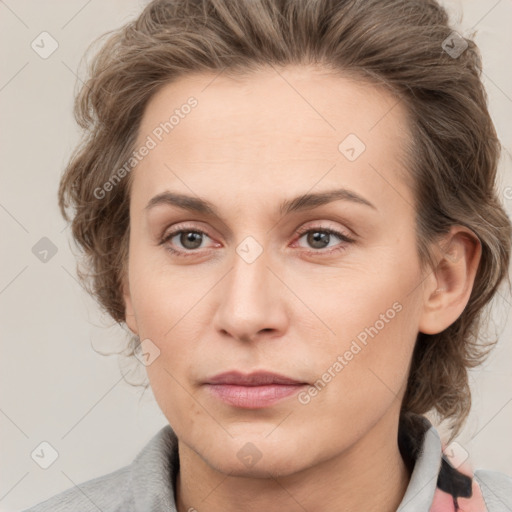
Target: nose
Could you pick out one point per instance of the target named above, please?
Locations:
(252, 301)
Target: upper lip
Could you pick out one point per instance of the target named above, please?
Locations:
(258, 378)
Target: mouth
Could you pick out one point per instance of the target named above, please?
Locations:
(252, 391)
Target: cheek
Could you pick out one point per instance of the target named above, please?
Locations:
(363, 375)
(160, 296)
(370, 359)
(374, 316)
(164, 307)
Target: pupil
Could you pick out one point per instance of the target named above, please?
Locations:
(191, 237)
(318, 239)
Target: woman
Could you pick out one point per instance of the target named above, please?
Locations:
(292, 207)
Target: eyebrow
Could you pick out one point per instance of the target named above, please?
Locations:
(296, 204)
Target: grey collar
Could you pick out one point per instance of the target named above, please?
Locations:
(155, 468)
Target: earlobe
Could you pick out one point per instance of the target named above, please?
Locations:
(448, 292)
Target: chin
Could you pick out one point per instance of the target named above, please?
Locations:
(253, 458)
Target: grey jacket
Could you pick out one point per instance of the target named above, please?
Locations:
(146, 485)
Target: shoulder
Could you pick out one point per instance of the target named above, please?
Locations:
(496, 489)
(145, 484)
(106, 493)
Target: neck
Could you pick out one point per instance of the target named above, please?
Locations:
(370, 476)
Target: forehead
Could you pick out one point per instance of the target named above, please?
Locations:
(274, 129)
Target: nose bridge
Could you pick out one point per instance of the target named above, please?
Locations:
(249, 275)
(248, 303)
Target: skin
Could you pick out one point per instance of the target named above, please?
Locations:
(246, 147)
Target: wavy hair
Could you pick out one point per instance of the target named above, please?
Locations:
(396, 44)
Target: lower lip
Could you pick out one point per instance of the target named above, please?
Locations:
(253, 397)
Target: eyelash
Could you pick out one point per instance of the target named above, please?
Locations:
(301, 232)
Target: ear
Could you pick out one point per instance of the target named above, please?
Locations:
(129, 313)
(448, 288)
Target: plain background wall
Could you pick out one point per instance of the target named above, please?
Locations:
(54, 386)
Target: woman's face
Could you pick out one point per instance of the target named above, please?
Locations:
(257, 283)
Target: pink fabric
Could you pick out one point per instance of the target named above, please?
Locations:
(445, 502)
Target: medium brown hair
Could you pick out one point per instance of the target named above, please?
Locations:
(397, 44)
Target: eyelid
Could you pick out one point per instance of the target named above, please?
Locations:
(317, 225)
(183, 226)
